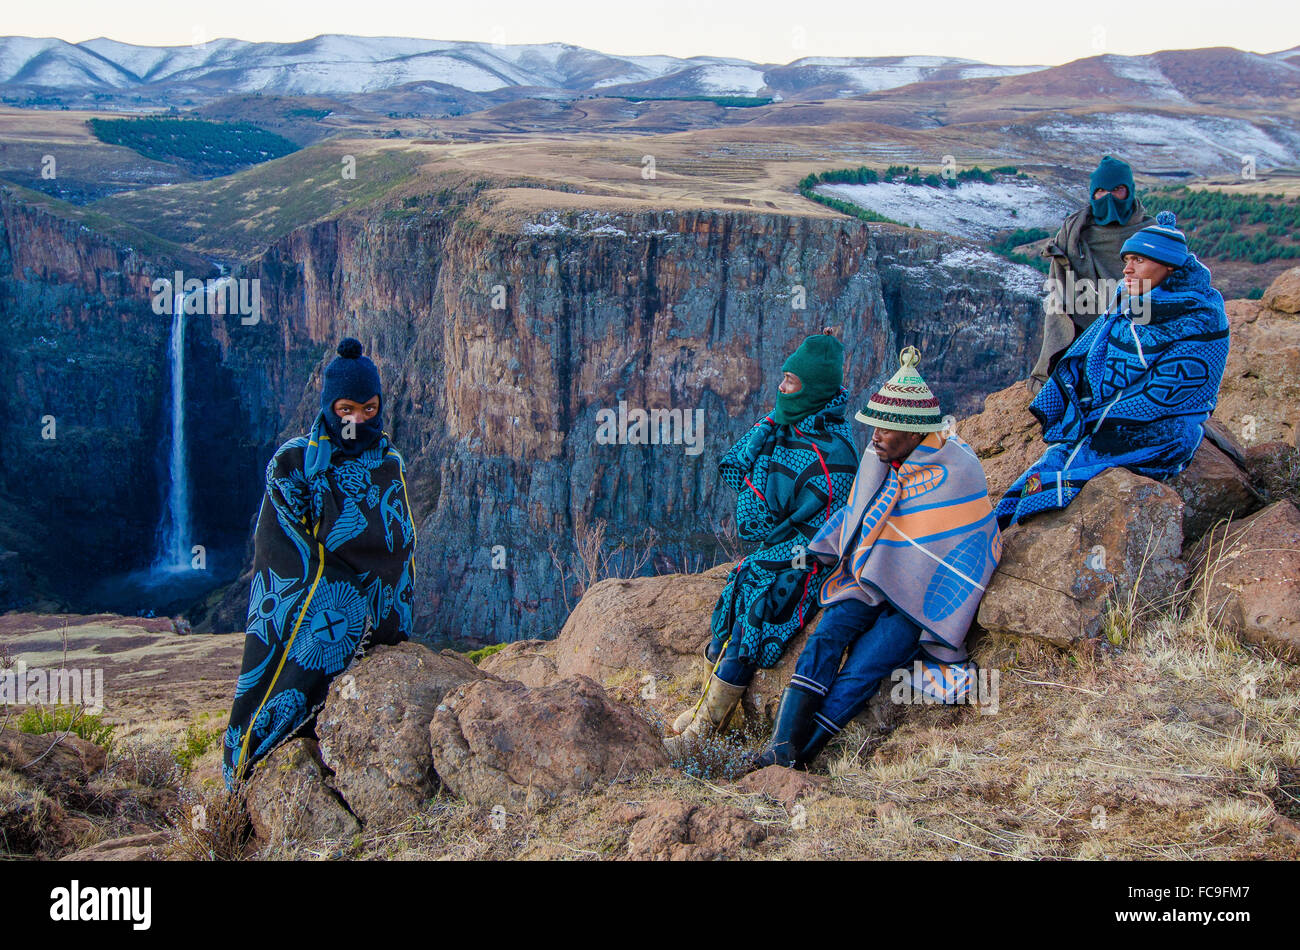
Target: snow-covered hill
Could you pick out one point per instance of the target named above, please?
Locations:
(338, 65)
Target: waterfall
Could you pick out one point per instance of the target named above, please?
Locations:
(174, 532)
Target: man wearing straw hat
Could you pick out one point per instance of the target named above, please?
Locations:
(911, 552)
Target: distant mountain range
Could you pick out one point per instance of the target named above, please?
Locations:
(111, 73)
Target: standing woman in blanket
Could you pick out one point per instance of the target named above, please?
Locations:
(333, 567)
(791, 471)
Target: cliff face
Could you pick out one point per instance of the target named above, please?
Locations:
(84, 361)
(495, 407)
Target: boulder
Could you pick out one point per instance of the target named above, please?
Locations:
(290, 800)
(684, 831)
(1283, 295)
(1213, 489)
(61, 764)
(1259, 399)
(784, 785)
(647, 625)
(141, 847)
(374, 727)
(501, 742)
(1005, 436)
(1249, 576)
(1059, 569)
(531, 662)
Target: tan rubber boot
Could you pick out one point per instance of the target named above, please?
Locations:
(720, 701)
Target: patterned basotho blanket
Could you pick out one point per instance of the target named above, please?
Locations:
(333, 569)
(789, 479)
(922, 537)
(1134, 390)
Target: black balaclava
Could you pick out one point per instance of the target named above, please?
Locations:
(351, 376)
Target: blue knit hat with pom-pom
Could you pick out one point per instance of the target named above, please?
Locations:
(1161, 242)
(349, 376)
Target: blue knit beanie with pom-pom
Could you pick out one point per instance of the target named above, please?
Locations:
(1161, 242)
(351, 376)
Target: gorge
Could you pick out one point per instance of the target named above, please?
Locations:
(501, 334)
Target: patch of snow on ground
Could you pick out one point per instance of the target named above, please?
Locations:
(1147, 72)
(730, 80)
(585, 223)
(1017, 278)
(1201, 144)
(973, 209)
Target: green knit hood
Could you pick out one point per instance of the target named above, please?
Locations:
(819, 364)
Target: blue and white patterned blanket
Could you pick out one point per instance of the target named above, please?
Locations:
(1134, 390)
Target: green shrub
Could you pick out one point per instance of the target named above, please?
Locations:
(194, 744)
(482, 653)
(38, 720)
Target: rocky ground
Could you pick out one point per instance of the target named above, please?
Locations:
(1141, 650)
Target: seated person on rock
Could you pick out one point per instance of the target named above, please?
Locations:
(911, 553)
(792, 470)
(1135, 389)
(333, 563)
(1085, 261)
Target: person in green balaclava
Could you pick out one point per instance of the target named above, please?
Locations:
(791, 471)
(1086, 266)
(811, 377)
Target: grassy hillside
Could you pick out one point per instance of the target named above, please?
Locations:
(238, 215)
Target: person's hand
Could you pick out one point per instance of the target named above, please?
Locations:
(1034, 383)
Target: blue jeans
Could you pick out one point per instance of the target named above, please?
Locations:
(878, 639)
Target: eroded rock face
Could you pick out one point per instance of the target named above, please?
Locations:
(374, 727)
(289, 798)
(500, 743)
(684, 831)
(1059, 569)
(1249, 575)
(1259, 400)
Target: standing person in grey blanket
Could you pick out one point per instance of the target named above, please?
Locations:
(1086, 266)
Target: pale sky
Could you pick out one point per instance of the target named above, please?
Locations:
(1009, 32)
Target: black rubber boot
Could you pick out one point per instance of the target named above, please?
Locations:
(814, 745)
(793, 723)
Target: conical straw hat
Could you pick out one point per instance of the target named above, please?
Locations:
(905, 402)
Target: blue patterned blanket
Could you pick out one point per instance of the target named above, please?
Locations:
(1134, 390)
(333, 568)
(789, 479)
